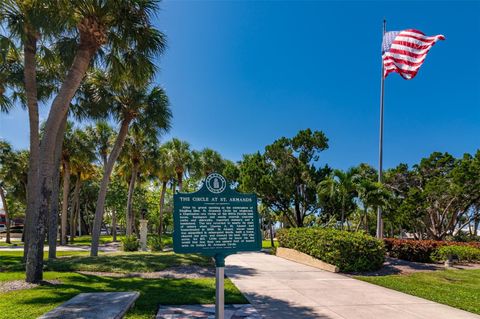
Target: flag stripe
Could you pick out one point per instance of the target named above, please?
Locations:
(403, 57)
(398, 49)
(405, 51)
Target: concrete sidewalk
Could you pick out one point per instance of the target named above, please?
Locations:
(282, 289)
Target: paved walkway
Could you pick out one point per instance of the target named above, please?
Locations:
(282, 289)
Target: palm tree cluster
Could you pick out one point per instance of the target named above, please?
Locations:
(89, 59)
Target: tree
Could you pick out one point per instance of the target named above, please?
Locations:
(285, 176)
(115, 201)
(206, 162)
(139, 145)
(146, 107)
(13, 181)
(231, 171)
(440, 195)
(82, 157)
(182, 158)
(339, 187)
(6, 158)
(102, 133)
(68, 147)
(164, 169)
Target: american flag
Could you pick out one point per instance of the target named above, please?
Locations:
(405, 51)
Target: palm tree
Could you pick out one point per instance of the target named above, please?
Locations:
(139, 145)
(147, 107)
(68, 147)
(206, 162)
(341, 185)
(102, 133)
(164, 170)
(182, 158)
(81, 158)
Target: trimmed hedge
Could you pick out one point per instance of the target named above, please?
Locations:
(419, 250)
(460, 253)
(348, 251)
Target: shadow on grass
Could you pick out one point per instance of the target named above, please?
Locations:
(11, 261)
(127, 262)
(393, 266)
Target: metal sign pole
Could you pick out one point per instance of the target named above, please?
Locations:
(219, 285)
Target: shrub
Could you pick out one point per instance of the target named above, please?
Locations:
(155, 243)
(460, 253)
(419, 250)
(130, 243)
(348, 251)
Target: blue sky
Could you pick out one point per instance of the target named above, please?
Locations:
(241, 74)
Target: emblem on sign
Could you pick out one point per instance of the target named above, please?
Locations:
(216, 183)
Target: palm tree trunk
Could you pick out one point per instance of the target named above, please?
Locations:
(180, 181)
(58, 111)
(162, 204)
(114, 226)
(97, 222)
(66, 189)
(53, 216)
(131, 189)
(75, 209)
(7, 216)
(30, 80)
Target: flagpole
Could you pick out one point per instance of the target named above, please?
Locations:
(380, 144)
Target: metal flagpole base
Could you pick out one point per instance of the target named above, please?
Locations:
(219, 285)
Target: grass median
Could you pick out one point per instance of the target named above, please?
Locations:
(456, 288)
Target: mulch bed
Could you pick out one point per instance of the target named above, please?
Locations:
(180, 272)
(7, 286)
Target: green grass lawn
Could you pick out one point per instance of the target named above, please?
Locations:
(105, 239)
(120, 262)
(87, 241)
(456, 288)
(31, 303)
(127, 262)
(268, 243)
(13, 260)
(13, 244)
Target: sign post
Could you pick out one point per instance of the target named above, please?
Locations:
(216, 221)
(219, 286)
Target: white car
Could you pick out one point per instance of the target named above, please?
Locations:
(3, 228)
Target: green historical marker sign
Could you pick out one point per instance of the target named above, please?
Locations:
(216, 220)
